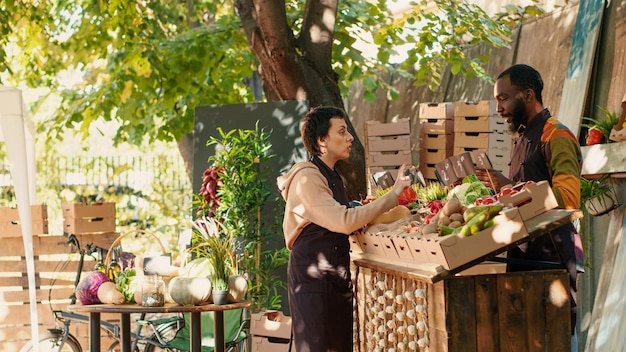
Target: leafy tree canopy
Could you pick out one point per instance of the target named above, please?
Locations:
(147, 64)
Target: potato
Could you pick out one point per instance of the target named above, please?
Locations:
(429, 228)
(456, 217)
(452, 206)
(455, 224)
(443, 220)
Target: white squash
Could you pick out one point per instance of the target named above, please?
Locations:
(237, 288)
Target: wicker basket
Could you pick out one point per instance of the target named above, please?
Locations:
(118, 242)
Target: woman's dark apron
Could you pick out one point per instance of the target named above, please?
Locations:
(320, 287)
(528, 163)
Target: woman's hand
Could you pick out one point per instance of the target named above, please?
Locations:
(402, 181)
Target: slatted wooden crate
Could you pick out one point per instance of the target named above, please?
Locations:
(55, 271)
(10, 225)
(88, 218)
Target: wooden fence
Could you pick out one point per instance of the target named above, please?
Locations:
(55, 272)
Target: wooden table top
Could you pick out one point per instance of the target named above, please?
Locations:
(167, 308)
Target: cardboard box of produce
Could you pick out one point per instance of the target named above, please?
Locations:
(370, 243)
(531, 199)
(271, 323)
(453, 251)
(269, 344)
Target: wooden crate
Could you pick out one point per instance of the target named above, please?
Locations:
(49, 252)
(523, 311)
(84, 218)
(389, 143)
(10, 225)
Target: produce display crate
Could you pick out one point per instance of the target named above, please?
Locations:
(478, 108)
(491, 123)
(389, 158)
(436, 140)
(437, 111)
(387, 147)
(437, 126)
(88, 218)
(452, 251)
(433, 156)
(428, 170)
(10, 225)
(389, 143)
(376, 128)
(483, 140)
(533, 200)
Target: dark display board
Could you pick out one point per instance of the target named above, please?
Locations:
(282, 119)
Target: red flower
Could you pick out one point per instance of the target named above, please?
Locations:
(595, 136)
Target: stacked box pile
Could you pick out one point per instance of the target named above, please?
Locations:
(387, 146)
(271, 331)
(477, 126)
(80, 218)
(10, 225)
(436, 136)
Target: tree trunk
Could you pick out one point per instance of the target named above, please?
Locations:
(300, 68)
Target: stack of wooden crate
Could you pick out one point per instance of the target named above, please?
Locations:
(387, 147)
(436, 136)
(477, 126)
(10, 224)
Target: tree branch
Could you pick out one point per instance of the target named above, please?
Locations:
(318, 28)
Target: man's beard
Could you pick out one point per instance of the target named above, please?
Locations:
(517, 115)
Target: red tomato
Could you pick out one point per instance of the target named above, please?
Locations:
(407, 196)
(506, 191)
(485, 200)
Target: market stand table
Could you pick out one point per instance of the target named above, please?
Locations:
(442, 311)
(125, 310)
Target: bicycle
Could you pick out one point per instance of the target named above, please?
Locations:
(60, 339)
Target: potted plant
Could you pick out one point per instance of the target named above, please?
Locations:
(214, 243)
(597, 196)
(599, 130)
(235, 190)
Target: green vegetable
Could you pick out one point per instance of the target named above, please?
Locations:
(126, 282)
(445, 230)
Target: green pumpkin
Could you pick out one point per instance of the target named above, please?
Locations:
(189, 291)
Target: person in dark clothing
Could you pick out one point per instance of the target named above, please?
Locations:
(316, 226)
(544, 149)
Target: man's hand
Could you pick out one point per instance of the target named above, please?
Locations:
(492, 179)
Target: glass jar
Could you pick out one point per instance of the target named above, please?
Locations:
(153, 291)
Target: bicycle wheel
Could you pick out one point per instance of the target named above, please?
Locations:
(50, 341)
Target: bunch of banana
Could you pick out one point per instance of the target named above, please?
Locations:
(476, 219)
